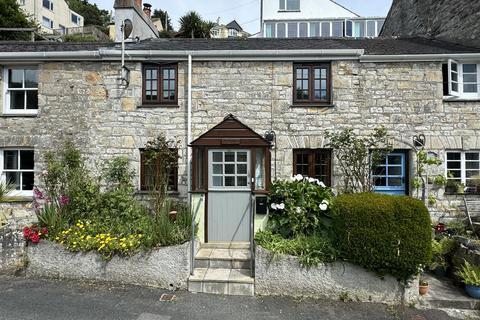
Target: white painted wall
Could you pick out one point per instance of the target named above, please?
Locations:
(309, 9)
(60, 15)
(142, 27)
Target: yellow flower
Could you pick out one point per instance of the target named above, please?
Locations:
(57, 238)
(124, 245)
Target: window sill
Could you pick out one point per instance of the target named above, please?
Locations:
(286, 11)
(312, 105)
(13, 115)
(154, 106)
(19, 198)
(146, 192)
(459, 99)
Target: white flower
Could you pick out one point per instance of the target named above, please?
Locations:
(274, 206)
(298, 177)
(325, 201)
(44, 172)
(321, 184)
(281, 206)
(298, 210)
(323, 206)
(311, 180)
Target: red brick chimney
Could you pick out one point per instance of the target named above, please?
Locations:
(138, 4)
(147, 9)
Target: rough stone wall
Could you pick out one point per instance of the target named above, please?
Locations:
(455, 21)
(86, 102)
(285, 276)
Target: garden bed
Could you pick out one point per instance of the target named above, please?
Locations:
(164, 267)
(285, 275)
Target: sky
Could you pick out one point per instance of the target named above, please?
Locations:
(246, 12)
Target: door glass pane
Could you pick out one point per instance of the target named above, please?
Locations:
(395, 159)
(229, 181)
(241, 181)
(10, 159)
(217, 181)
(229, 169)
(26, 159)
(260, 170)
(199, 166)
(218, 169)
(380, 182)
(229, 156)
(241, 157)
(27, 180)
(241, 169)
(13, 178)
(395, 182)
(394, 171)
(217, 156)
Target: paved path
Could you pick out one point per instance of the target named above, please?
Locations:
(28, 299)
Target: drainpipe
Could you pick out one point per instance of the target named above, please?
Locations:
(189, 161)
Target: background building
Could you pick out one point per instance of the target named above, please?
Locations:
(231, 30)
(52, 14)
(314, 18)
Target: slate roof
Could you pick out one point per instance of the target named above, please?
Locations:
(234, 25)
(376, 46)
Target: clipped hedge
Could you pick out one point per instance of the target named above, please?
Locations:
(384, 234)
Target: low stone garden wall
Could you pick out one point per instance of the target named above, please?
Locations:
(285, 276)
(165, 267)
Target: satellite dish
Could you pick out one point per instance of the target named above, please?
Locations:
(127, 28)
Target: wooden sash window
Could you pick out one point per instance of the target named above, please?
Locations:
(311, 84)
(160, 84)
(313, 163)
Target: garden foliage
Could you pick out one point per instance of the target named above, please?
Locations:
(299, 206)
(385, 234)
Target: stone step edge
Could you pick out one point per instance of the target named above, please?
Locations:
(455, 304)
(249, 281)
(223, 259)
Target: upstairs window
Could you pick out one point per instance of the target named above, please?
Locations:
(232, 33)
(16, 168)
(311, 84)
(21, 94)
(289, 5)
(160, 85)
(48, 4)
(461, 80)
(76, 19)
(270, 30)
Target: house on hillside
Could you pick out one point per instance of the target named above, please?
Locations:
(246, 111)
(314, 18)
(52, 15)
(230, 30)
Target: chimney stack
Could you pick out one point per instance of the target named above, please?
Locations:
(147, 9)
(138, 4)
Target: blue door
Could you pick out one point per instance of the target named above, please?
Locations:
(390, 176)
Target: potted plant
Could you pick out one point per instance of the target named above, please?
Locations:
(441, 250)
(451, 186)
(460, 188)
(470, 275)
(475, 184)
(422, 287)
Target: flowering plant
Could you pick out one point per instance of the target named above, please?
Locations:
(34, 233)
(299, 205)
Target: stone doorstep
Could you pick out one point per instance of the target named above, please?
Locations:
(229, 245)
(222, 281)
(223, 258)
(444, 294)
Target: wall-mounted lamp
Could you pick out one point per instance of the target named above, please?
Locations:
(419, 141)
(270, 136)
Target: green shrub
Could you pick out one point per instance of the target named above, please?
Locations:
(299, 206)
(80, 38)
(385, 234)
(310, 250)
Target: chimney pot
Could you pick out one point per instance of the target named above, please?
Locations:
(147, 9)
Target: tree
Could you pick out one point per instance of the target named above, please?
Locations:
(90, 12)
(162, 15)
(193, 26)
(13, 17)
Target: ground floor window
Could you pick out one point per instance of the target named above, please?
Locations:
(148, 174)
(390, 175)
(16, 167)
(463, 166)
(314, 163)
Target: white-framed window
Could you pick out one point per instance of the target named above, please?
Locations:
(17, 168)
(48, 4)
(289, 5)
(372, 28)
(326, 29)
(232, 33)
(281, 30)
(292, 29)
(215, 33)
(337, 29)
(75, 19)
(47, 23)
(303, 29)
(314, 29)
(21, 2)
(463, 166)
(270, 30)
(462, 80)
(21, 90)
(62, 28)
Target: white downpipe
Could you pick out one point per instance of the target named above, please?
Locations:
(189, 161)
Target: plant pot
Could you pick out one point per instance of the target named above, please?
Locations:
(173, 215)
(423, 290)
(473, 291)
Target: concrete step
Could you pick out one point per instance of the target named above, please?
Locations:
(226, 245)
(223, 258)
(444, 294)
(222, 281)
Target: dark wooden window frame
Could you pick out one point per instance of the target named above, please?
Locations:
(160, 100)
(173, 177)
(311, 162)
(311, 84)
